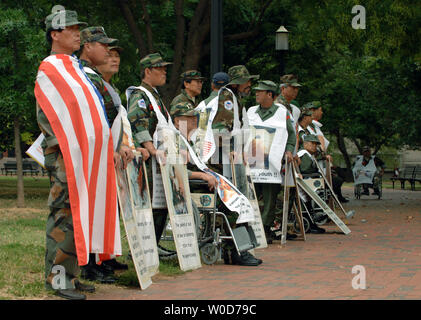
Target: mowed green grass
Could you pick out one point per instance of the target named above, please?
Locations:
(22, 243)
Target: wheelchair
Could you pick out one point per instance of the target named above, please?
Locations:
(358, 188)
(210, 225)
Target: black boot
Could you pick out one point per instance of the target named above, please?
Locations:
(314, 228)
(95, 272)
(113, 263)
(245, 259)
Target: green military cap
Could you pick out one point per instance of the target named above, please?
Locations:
(305, 112)
(62, 19)
(116, 48)
(290, 79)
(266, 85)
(313, 105)
(153, 60)
(95, 34)
(240, 74)
(311, 138)
(192, 75)
(183, 109)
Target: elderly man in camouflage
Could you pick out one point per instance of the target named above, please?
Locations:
(289, 91)
(60, 243)
(223, 124)
(143, 119)
(107, 70)
(95, 52)
(191, 88)
(267, 111)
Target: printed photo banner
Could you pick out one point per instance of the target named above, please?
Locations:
(139, 189)
(264, 141)
(180, 210)
(130, 224)
(233, 199)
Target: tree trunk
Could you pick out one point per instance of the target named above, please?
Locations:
(131, 22)
(18, 153)
(342, 149)
(147, 19)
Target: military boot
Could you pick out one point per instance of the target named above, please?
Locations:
(268, 234)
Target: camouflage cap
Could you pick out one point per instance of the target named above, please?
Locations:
(291, 80)
(192, 75)
(313, 105)
(95, 34)
(305, 112)
(366, 148)
(311, 138)
(183, 109)
(116, 48)
(266, 85)
(62, 19)
(239, 75)
(153, 60)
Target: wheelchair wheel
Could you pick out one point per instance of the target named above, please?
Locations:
(323, 221)
(306, 225)
(209, 253)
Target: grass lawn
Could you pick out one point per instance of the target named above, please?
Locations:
(22, 243)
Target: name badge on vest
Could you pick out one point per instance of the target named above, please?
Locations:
(142, 104)
(228, 105)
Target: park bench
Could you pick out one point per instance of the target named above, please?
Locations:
(28, 167)
(9, 167)
(406, 175)
(415, 177)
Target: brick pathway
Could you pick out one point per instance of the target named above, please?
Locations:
(385, 239)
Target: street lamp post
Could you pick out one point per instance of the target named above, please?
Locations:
(281, 46)
(216, 36)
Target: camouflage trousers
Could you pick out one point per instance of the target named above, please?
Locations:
(60, 244)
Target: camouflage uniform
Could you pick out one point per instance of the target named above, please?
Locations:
(183, 99)
(223, 124)
(97, 34)
(268, 191)
(60, 244)
(304, 112)
(143, 121)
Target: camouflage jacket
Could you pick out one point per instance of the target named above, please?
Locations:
(280, 99)
(183, 98)
(96, 79)
(224, 118)
(141, 115)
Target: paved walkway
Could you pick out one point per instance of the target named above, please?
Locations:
(385, 240)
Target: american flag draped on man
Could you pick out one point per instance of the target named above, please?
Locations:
(76, 113)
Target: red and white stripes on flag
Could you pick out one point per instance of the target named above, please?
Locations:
(74, 109)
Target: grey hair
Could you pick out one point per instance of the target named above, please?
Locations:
(283, 85)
